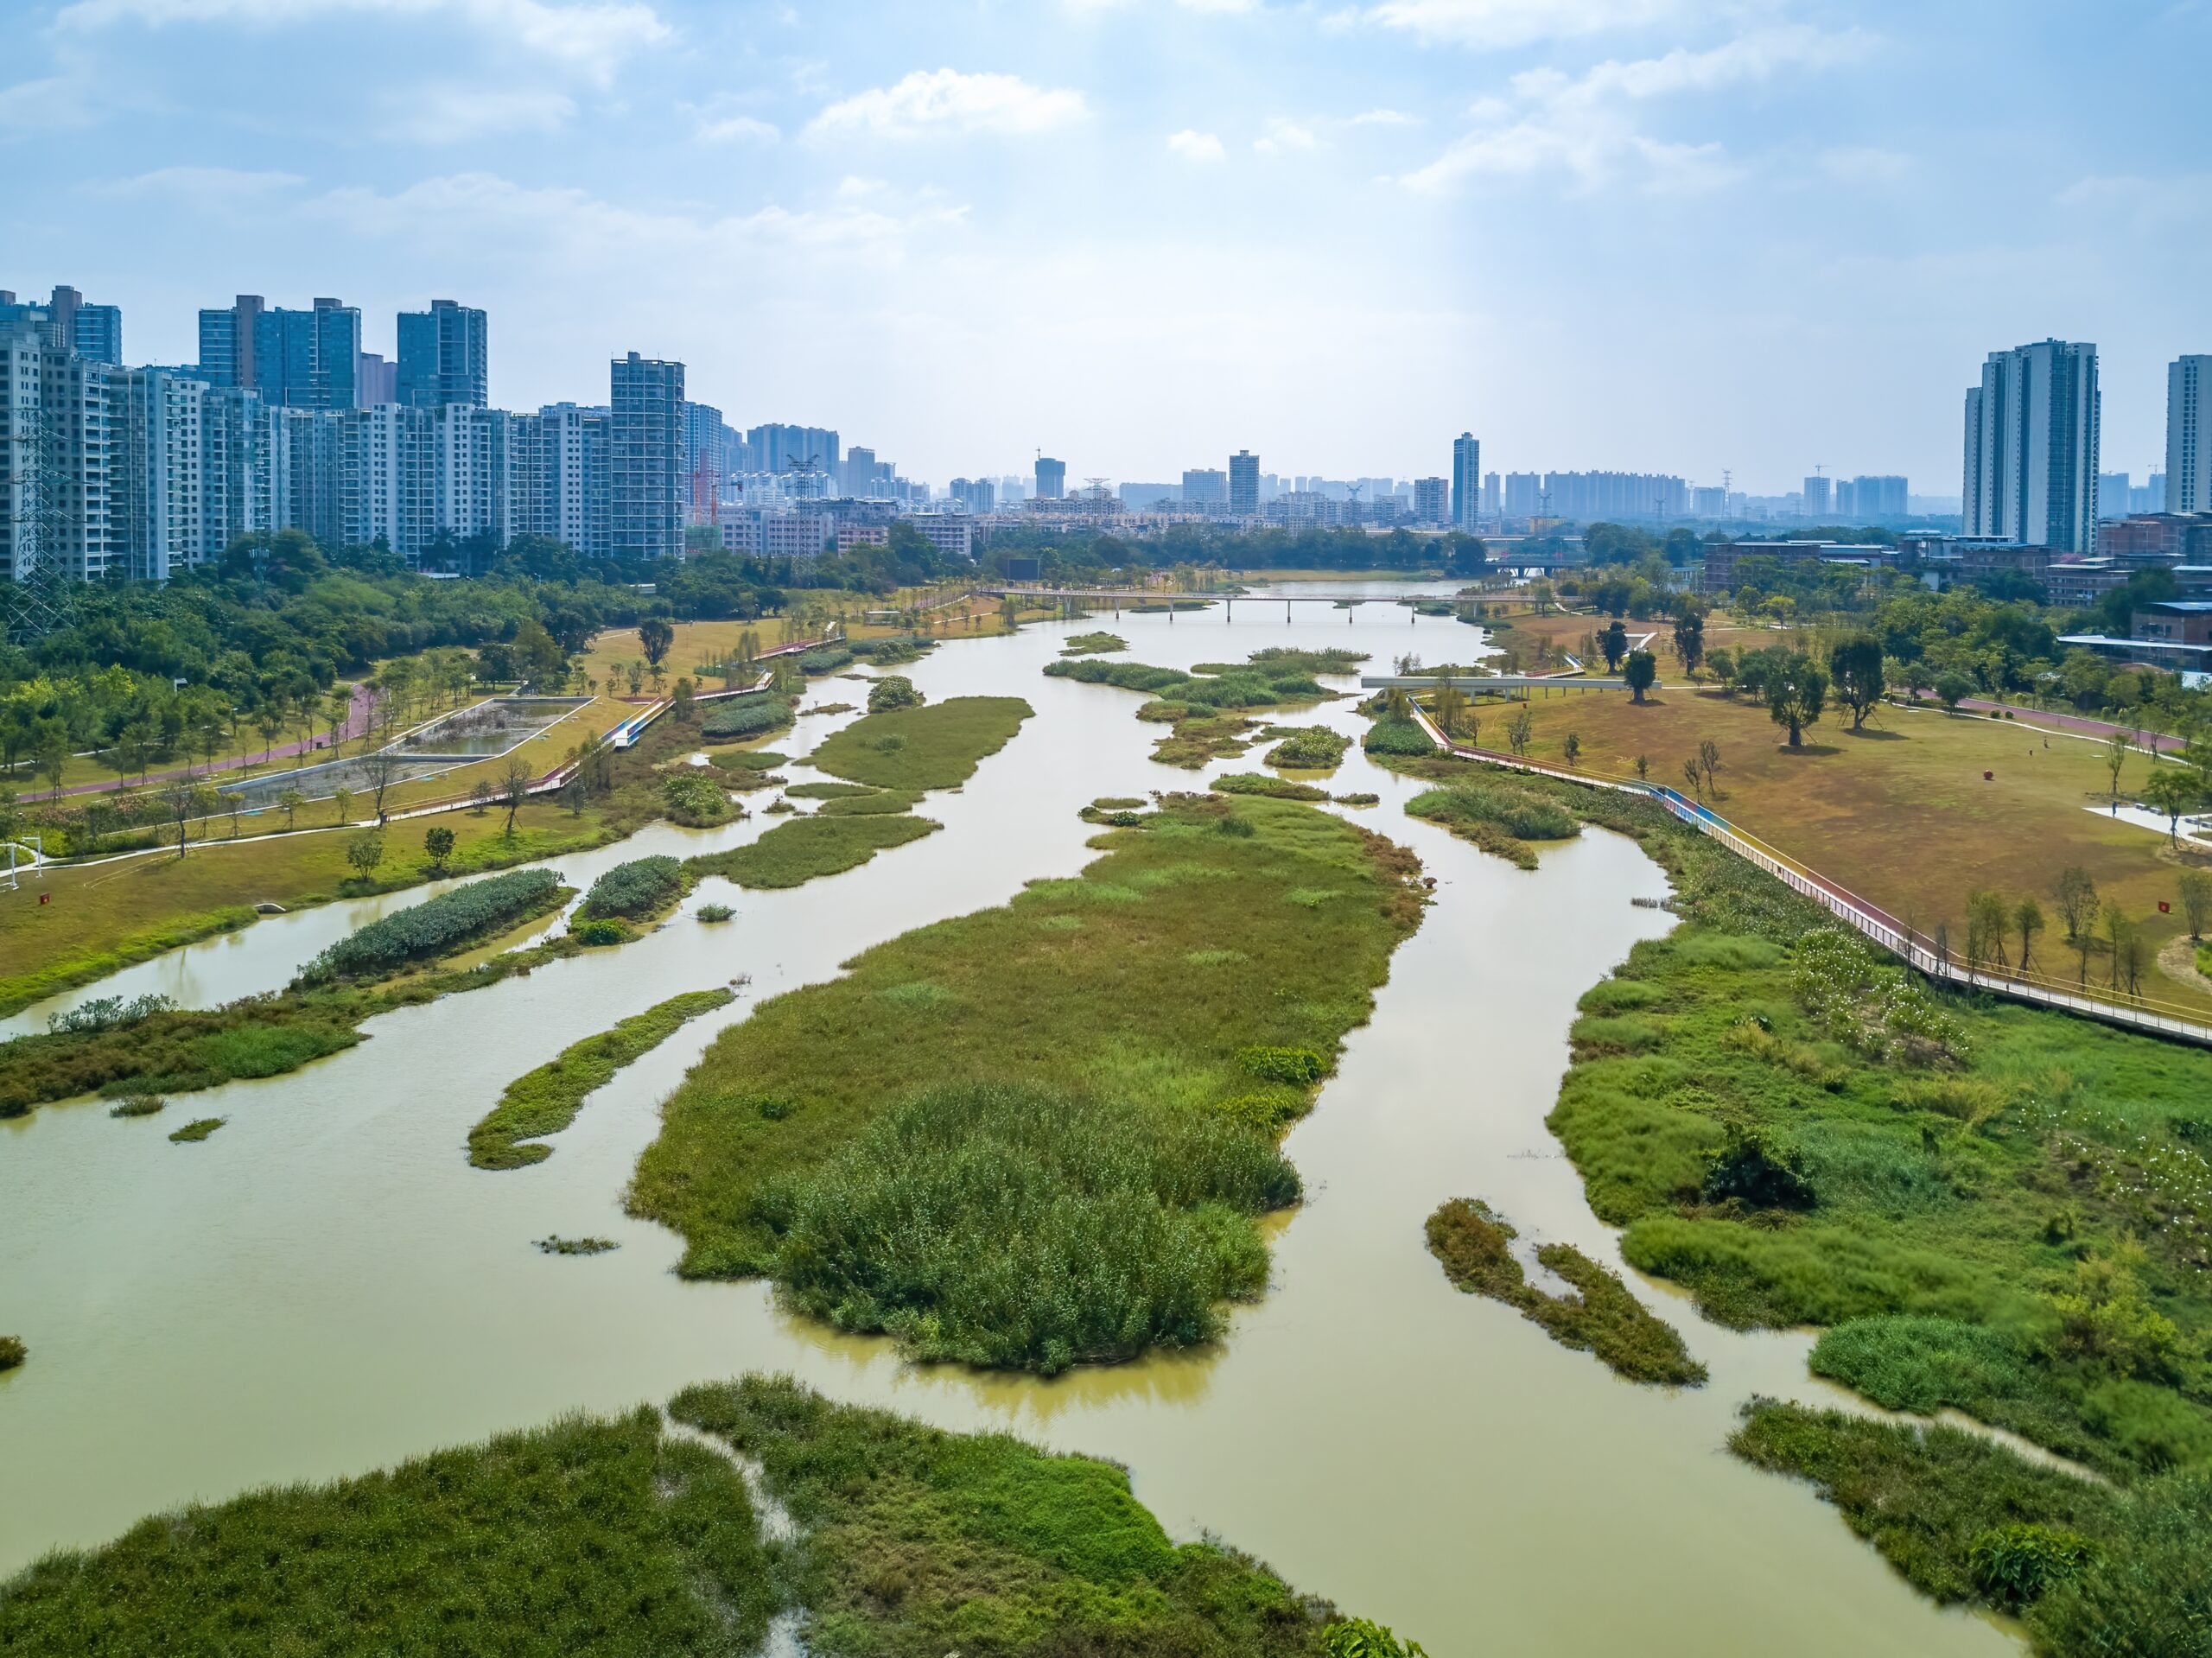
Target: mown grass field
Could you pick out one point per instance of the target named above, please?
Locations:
(1900, 812)
(101, 917)
(1171, 975)
(620, 1538)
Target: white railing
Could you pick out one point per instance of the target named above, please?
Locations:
(1884, 929)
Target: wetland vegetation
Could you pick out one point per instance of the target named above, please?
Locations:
(618, 1536)
(835, 1139)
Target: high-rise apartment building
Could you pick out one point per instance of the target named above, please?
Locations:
(1709, 501)
(1467, 481)
(90, 331)
(644, 475)
(1493, 495)
(1524, 495)
(2115, 495)
(2031, 448)
(191, 469)
(443, 356)
(777, 448)
(1243, 484)
(1818, 503)
(296, 360)
(561, 476)
(55, 465)
(1618, 496)
(1878, 497)
(378, 380)
(1052, 478)
(2187, 480)
(1206, 489)
(1433, 501)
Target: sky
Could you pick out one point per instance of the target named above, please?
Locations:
(1676, 236)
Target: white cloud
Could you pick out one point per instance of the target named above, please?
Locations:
(1503, 23)
(946, 99)
(1384, 118)
(1203, 146)
(444, 114)
(1283, 137)
(47, 105)
(726, 128)
(1586, 125)
(202, 186)
(592, 35)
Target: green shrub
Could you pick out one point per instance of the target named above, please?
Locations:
(1358, 1638)
(1622, 1034)
(1398, 736)
(602, 934)
(2146, 1591)
(1299, 1067)
(1239, 828)
(12, 1352)
(745, 717)
(695, 800)
(139, 1105)
(1010, 1226)
(2012, 1564)
(1310, 749)
(636, 890)
(1757, 1167)
(1747, 1277)
(198, 1130)
(561, 1246)
(1524, 815)
(1720, 950)
(824, 659)
(891, 693)
(437, 926)
(1271, 1112)
(1620, 996)
(716, 912)
(1084, 645)
(1254, 782)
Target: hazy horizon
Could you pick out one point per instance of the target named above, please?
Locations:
(1643, 235)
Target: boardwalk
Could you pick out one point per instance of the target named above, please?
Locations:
(1886, 930)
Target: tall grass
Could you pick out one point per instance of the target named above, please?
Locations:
(437, 926)
(793, 854)
(635, 891)
(589, 1536)
(938, 746)
(545, 1101)
(1026, 1229)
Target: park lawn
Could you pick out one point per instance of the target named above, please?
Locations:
(615, 648)
(1899, 813)
(101, 917)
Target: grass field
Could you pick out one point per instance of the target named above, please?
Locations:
(100, 917)
(620, 1538)
(1900, 812)
(1197, 971)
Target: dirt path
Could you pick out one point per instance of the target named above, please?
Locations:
(2178, 961)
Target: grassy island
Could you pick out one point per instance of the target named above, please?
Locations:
(1098, 1069)
(1204, 709)
(1989, 1208)
(630, 1538)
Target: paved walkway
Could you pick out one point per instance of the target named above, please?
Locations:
(357, 725)
(2075, 722)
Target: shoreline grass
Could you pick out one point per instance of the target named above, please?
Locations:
(938, 746)
(1471, 1242)
(545, 1101)
(806, 848)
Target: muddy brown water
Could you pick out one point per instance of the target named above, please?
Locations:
(325, 1285)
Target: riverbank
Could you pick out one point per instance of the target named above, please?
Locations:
(1994, 1210)
(665, 1541)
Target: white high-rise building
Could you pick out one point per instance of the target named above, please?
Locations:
(1818, 502)
(1433, 501)
(1467, 481)
(2031, 448)
(55, 466)
(192, 469)
(560, 472)
(645, 490)
(2188, 435)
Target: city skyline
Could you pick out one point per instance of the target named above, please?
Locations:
(889, 222)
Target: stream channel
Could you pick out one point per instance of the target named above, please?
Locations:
(326, 1285)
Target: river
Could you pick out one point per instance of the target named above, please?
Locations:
(326, 1285)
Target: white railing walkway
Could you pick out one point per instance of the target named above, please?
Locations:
(1885, 930)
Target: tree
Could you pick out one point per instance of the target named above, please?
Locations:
(479, 797)
(656, 637)
(2171, 792)
(342, 799)
(1723, 664)
(338, 710)
(1796, 690)
(1451, 705)
(365, 852)
(1642, 674)
(2075, 894)
(1689, 639)
(437, 843)
(892, 692)
(1572, 748)
(2197, 900)
(683, 709)
(1954, 688)
(1987, 921)
(178, 800)
(2027, 921)
(268, 720)
(2116, 759)
(1519, 729)
(1614, 643)
(291, 800)
(381, 768)
(1708, 761)
(52, 759)
(1855, 664)
(1694, 778)
(2118, 929)
(514, 788)
(1643, 768)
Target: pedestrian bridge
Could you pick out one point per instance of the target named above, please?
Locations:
(1495, 682)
